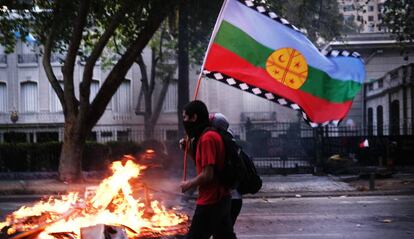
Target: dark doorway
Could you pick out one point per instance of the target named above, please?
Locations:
(380, 120)
(370, 121)
(395, 118)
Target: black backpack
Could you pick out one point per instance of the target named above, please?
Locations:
(239, 171)
(251, 183)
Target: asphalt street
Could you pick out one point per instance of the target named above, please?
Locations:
(318, 217)
(335, 217)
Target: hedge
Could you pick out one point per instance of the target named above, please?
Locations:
(25, 157)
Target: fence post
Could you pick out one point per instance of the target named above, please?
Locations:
(318, 134)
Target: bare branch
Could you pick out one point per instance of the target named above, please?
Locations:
(114, 79)
(153, 69)
(160, 101)
(46, 60)
(144, 74)
(96, 53)
(138, 110)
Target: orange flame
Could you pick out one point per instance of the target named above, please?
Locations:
(113, 204)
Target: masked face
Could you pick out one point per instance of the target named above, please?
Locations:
(189, 124)
(193, 126)
(190, 128)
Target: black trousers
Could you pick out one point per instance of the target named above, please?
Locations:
(236, 205)
(212, 219)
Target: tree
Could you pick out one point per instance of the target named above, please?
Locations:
(399, 19)
(163, 66)
(183, 63)
(82, 29)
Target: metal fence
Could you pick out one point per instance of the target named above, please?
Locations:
(296, 147)
(275, 147)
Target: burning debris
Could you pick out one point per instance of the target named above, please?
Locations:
(111, 211)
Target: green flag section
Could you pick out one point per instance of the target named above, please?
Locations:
(266, 54)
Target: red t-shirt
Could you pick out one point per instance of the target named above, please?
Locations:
(210, 151)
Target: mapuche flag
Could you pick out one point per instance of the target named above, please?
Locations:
(257, 51)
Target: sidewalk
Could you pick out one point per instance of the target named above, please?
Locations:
(299, 185)
(307, 185)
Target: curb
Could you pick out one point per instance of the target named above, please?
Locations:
(331, 194)
(25, 197)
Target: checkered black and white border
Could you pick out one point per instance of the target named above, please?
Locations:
(335, 53)
(265, 11)
(265, 94)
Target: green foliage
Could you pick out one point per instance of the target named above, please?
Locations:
(38, 19)
(399, 19)
(201, 19)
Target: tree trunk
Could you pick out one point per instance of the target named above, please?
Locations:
(70, 166)
(183, 62)
(149, 129)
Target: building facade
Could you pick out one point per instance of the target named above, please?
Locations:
(362, 16)
(390, 102)
(381, 54)
(31, 112)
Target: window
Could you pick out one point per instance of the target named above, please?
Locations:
(123, 136)
(370, 8)
(380, 7)
(348, 8)
(106, 134)
(370, 18)
(94, 90)
(370, 87)
(28, 53)
(55, 105)
(379, 17)
(122, 98)
(3, 97)
(15, 137)
(43, 137)
(380, 83)
(170, 101)
(29, 97)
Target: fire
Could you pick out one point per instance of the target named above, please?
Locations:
(113, 204)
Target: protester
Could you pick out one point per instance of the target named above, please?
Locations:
(219, 121)
(212, 213)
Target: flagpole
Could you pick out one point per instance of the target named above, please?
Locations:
(200, 76)
(213, 35)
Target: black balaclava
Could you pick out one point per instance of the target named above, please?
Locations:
(195, 129)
